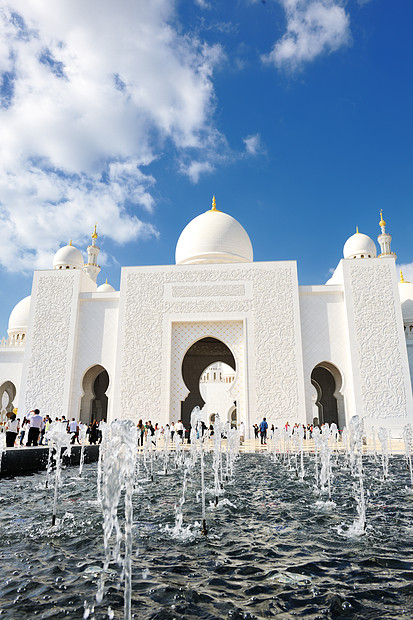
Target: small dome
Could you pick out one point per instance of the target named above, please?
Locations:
(359, 246)
(105, 288)
(19, 317)
(406, 298)
(68, 257)
(213, 237)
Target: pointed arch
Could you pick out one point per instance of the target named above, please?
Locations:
(328, 382)
(199, 356)
(94, 402)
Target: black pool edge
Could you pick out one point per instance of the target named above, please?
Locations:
(21, 461)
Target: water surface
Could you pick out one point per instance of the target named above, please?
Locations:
(275, 547)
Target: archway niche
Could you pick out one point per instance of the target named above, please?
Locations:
(7, 396)
(198, 358)
(94, 402)
(327, 381)
(232, 416)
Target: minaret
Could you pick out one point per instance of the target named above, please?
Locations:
(91, 267)
(384, 239)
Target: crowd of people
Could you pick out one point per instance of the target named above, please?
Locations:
(32, 430)
(261, 430)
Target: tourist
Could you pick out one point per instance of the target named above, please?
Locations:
(89, 431)
(263, 431)
(47, 424)
(43, 430)
(93, 432)
(35, 426)
(23, 430)
(242, 432)
(141, 432)
(172, 431)
(74, 430)
(12, 427)
(180, 429)
(82, 433)
(256, 430)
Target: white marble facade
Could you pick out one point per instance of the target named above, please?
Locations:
(298, 353)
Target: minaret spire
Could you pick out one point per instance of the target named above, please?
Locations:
(384, 239)
(92, 268)
(94, 236)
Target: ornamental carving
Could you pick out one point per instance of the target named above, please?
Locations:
(140, 383)
(378, 346)
(271, 314)
(48, 364)
(214, 290)
(275, 346)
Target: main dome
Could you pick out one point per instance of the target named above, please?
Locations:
(213, 237)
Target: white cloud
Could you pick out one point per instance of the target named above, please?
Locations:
(91, 92)
(195, 168)
(314, 27)
(253, 144)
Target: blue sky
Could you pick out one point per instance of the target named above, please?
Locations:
(296, 114)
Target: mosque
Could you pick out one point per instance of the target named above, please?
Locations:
(291, 353)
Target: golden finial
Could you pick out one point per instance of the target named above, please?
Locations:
(94, 233)
(401, 276)
(357, 230)
(382, 222)
(214, 204)
(106, 281)
(70, 242)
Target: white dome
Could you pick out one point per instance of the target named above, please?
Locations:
(19, 317)
(406, 298)
(213, 237)
(105, 288)
(405, 291)
(68, 257)
(359, 246)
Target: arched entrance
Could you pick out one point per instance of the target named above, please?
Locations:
(327, 380)
(7, 396)
(94, 402)
(199, 356)
(232, 416)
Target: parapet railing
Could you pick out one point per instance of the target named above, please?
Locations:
(13, 341)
